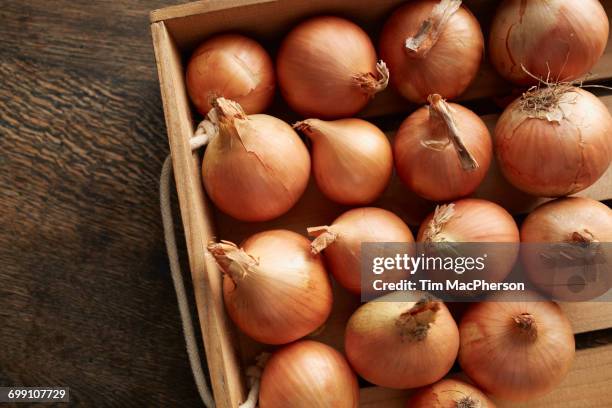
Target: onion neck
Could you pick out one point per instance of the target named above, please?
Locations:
(233, 261)
(223, 116)
(372, 83)
(415, 323)
(583, 246)
(431, 29)
(442, 215)
(324, 237)
(526, 325)
(309, 127)
(440, 111)
(584, 237)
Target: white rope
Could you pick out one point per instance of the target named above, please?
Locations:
(254, 373)
(179, 286)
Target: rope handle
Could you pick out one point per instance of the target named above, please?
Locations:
(179, 285)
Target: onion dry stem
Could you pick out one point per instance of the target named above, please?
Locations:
(427, 36)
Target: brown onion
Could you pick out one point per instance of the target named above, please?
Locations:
(582, 222)
(476, 221)
(432, 47)
(232, 66)
(341, 242)
(516, 350)
(308, 374)
(554, 141)
(245, 168)
(450, 393)
(352, 159)
(398, 344)
(275, 290)
(443, 151)
(327, 68)
(558, 40)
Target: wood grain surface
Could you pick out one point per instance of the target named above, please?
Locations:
(86, 299)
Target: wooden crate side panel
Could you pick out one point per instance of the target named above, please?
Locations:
(588, 316)
(217, 331)
(199, 7)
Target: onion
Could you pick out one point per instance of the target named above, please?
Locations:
(442, 152)
(399, 344)
(274, 288)
(516, 350)
(341, 242)
(232, 66)
(432, 47)
(245, 168)
(579, 221)
(352, 159)
(554, 141)
(450, 393)
(308, 374)
(557, 39)
(327, 68)
(476, 221)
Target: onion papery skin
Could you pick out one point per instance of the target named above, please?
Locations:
(474, 220)
(509, 363)
(275, 290)
(245, 168)
(557, 151)
(427, 161)
(341, 241)
(317, 66)
(554, 40)
(232, 66)
(308, 374)
(382, 350)
(415, 78)
(352, 160)
(450, 393)
(573, 220)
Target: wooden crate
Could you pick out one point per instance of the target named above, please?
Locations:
(176, 31)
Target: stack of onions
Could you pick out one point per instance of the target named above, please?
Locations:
(442, 152)
(246, 170)
(341, 242)
(559, 40)
(327, 68)
(554, 141)
(584, 224)
(308, 374)
(450, 393)
(352, 159)
(516, 350)
(398, 344)
(274, 288)
(432, 46)
(476, 221)
(232, 66)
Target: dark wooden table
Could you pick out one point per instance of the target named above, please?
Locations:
(86, 299)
